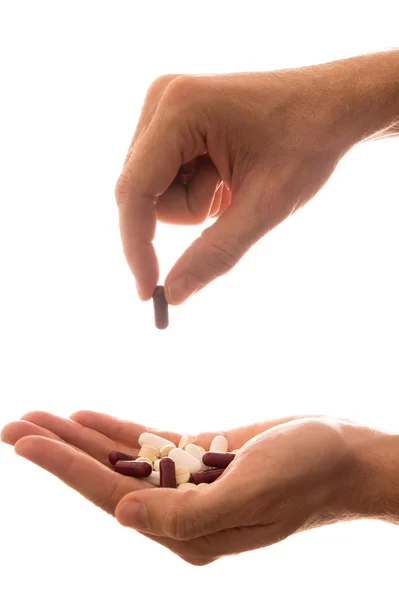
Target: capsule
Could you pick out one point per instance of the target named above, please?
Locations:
(186, 440)
(133, 468)
(161, 314)
(184, 459)
(154, 478)
(167, 471)
(156, 441)
(182, 475)
(219, 444)
(206, 476)
(221, 460)
(115, 455)
(195, 451)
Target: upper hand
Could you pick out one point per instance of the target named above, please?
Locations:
(259, 145)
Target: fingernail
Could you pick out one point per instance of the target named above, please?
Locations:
(181, 289)
(134, 514)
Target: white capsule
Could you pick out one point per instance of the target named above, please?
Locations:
(156, 464)
(144, 459)
(184, 459)
(150, 439)
(182, 475)
(186, 486)
(194, 451)
(166, 449)
(185, 440)
(219, 444)
(154, 478)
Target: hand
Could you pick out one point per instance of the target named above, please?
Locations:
(258, 146)
(76, 450)
(291, 474)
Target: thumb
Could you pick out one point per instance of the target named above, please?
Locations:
(182, 514)
(219, 248)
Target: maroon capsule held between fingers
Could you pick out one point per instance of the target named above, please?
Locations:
(115, 455)
(218, 459)
(161, 313)
(167, 470)
(133, 468)
(206, 476)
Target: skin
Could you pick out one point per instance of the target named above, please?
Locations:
(294, 473)
(256, 147)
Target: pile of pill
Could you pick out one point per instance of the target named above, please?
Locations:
(163, 464)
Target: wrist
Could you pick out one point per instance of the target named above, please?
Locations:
(367, 94)
(370, 487)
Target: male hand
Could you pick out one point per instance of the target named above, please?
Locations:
(291, 474)
(256, 146)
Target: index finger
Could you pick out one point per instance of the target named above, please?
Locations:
(148, 173)
(152, 167)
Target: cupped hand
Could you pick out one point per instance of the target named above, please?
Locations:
(254, 148)
(76, 450)
(291, 474)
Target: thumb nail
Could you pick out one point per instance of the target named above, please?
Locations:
(181, 289)
(133, 514)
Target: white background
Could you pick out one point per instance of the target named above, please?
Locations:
(308, 322)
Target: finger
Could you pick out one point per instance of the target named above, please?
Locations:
(218, 249)
(192, 513)
(150, 170)
(12, 432)
(151, 101)
(216, 202)
(94, 443)
(224, 202)
(126, 433)
(83, 473)
(190, 204)
(119, 430)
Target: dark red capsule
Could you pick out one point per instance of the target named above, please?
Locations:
(218, 459)
(167, 470)
(161, 313)
(115, 455)
(133, 468)
(206, 476)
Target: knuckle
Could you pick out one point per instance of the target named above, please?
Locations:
(122, 188)
(159, 84)
(183, 88)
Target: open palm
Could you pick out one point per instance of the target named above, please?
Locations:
(76, 450)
